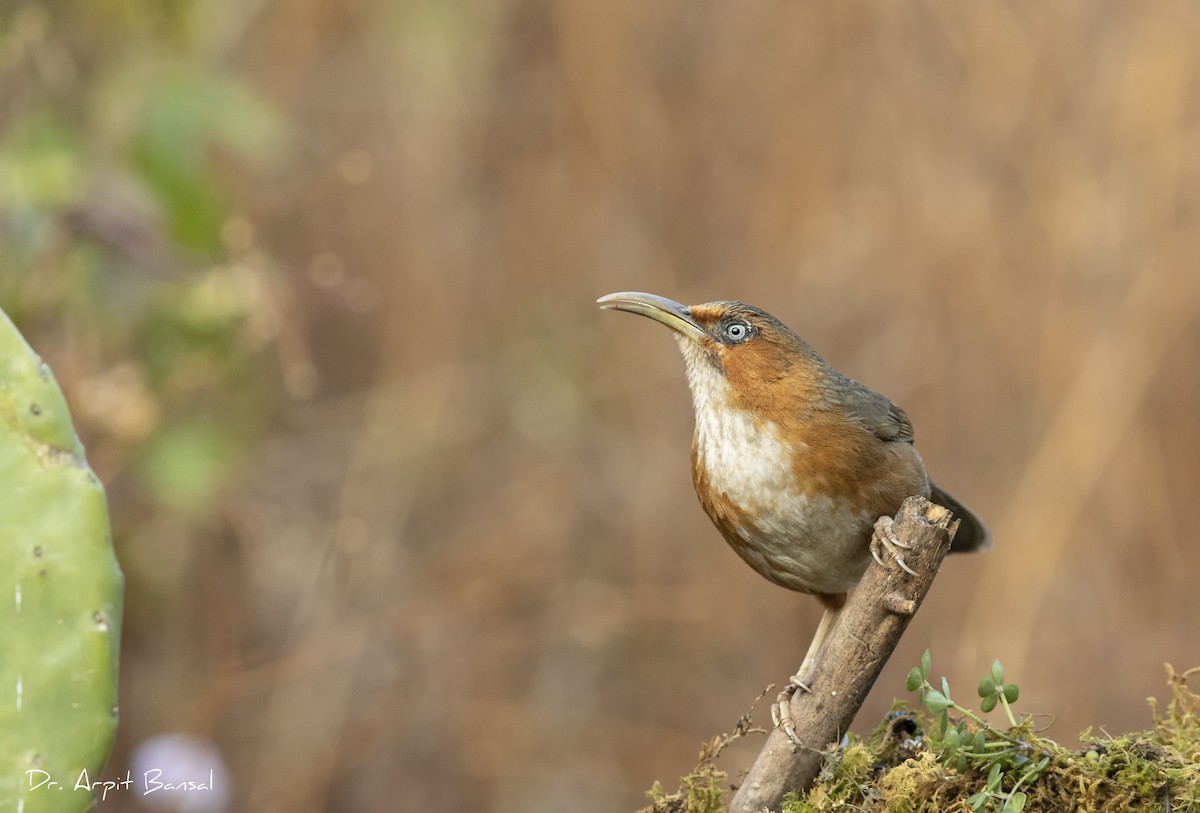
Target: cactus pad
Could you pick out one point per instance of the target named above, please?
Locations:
(60, 596)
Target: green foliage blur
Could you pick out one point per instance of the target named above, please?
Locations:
(122, 254)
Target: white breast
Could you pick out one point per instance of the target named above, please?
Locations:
(799, 540)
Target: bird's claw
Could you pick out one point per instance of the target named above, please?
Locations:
(781, 710)
(781, 713)
(796, 683)
(884, 540)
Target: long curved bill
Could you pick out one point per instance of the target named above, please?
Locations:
(659, 308)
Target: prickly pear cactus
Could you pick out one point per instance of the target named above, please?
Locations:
(60, 597)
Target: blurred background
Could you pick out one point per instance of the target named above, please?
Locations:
(407, 523)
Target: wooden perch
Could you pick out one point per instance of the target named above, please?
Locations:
(870, 626)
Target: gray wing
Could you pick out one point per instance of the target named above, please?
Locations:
(877, 414)
(888, 422)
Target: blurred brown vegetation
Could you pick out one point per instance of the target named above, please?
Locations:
(407, 523)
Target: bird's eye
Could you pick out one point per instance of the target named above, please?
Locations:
(737, 331)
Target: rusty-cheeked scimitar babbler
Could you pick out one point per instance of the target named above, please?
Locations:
(793, 461)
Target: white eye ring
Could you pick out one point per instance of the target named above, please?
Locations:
(737, 331)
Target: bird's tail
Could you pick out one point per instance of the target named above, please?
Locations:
(972, 534)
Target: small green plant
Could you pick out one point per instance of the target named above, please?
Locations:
(1011, 759)
(952, 759)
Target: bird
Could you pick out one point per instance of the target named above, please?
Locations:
(795, 464)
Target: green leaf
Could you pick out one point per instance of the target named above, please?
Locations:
(945, 687)
(186, 117)
(1035, 770)
(914, 680)
(980, 740)
(951, 740)
(926, 665)
(40, 165)
(1015, 803)
(997, 672)
(188, 462)
(994, 776)
(987, 686)
(1011, 692)
(978, 800)
(936, 702)
(988, 703)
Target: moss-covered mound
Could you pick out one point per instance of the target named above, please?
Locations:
(950, 760)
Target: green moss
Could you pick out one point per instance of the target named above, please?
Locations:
(1135, 772)
(702, 790)
(845, 778)
(902, 767)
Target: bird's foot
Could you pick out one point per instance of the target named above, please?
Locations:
(781, 710)
(884, 540)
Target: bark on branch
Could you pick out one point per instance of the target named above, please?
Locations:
(870, 626)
